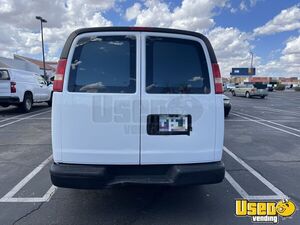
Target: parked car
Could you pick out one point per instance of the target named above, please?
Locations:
(270, 88)
(229, 87)
(128, 108)
(23, 88)
(249, 91)
(227, 105)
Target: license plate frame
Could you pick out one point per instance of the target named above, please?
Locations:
(169, 124)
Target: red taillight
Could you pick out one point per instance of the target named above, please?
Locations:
(141, 28)
(13, 87)
(217, 78)
(59, 76)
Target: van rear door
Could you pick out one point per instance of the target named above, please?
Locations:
(100, 103)
(178, 100)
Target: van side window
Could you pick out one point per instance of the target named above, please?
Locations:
(175, 66)
(104, 64)
(41, 80)
(4, 75)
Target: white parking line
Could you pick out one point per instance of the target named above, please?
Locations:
(242, 192)
(269, 121)
(244, 120)
(9, 196)
(17, 116)
(45, 198)
(267, 125)
(277, 110)
(43, 118)
(23, 118)
(236, 186)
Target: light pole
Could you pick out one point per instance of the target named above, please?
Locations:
(251, 60)
(42, 21)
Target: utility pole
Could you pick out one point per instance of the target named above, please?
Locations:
(42, 21)
(251, 59)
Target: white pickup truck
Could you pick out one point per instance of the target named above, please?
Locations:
(23, 88)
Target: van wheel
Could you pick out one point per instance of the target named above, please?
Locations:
(247, 94)
(5, 105)
(262, 96)
(26, 105)
(233, 93)
(50, 101)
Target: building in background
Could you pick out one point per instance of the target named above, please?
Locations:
(50, 66)
(18, 64)
(29, 64)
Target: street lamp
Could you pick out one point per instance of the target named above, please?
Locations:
(42, 21)
(251, 59)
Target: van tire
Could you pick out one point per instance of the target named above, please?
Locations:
(50, 101)
(262, 96)
(26, 105)
(247, 95)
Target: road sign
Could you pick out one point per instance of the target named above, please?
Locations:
(243, 72)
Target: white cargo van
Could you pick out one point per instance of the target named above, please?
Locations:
(23, 88)
(135, 105)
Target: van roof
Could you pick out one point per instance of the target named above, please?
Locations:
(73, 35)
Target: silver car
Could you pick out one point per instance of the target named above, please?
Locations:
(249, 91)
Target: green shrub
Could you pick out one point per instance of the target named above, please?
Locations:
(297, 88)
(280, 87)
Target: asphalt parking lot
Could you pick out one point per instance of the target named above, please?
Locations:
(261, 155)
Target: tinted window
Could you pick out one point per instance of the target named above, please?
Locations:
(41, 80)
(105, 64)
(4, 75)
(175, 66)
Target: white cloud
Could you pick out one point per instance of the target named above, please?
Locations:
(292, 46)
(233, 10)
(232, 48)
(243, 6)
(194, 15)
(133, 11)
(22, 30)
(289, 62)
(286, 20)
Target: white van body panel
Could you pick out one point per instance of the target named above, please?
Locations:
(199, 146)
(110, 128)
(95, 125)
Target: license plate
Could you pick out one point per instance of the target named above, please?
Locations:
(168, 123)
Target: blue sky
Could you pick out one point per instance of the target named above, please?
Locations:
(268, 28)
(257, 16)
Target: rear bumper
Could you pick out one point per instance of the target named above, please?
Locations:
(96, 177)
(9, 99)
(259, 94)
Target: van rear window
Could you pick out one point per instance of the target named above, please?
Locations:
(4, 75)
(175, 66)
(104, 64)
